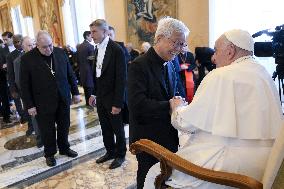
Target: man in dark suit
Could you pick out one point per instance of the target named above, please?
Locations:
(14, 90)
(110, 78)
(84, 53)
(4, 99)
(125, 113)
(46, 78)
(151, 84)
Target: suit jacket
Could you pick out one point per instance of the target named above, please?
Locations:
(10, 69)
(180, 86)
(86, 50)
(39, 87)
(148, 100)
(110, 86)
(3, 55)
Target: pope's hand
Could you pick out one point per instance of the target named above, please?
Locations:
(92, 101)
(32, 111)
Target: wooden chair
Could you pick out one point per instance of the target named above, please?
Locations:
(273, 175)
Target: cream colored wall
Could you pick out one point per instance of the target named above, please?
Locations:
(115, 12)
(194, 13)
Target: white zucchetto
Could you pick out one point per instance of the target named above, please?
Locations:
(240, 38)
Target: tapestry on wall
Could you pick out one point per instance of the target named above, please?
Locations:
(5, 19)
(50, 19)
(142, 18)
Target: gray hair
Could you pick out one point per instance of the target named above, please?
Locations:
(42, 33)
(101, 23)
(168, 25)
(26, 38)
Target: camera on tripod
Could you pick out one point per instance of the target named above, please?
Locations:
(273, 49)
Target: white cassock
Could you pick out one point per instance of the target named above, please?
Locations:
(232, 123)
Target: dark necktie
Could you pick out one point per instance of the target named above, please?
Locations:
(166, 78)
(96, 55)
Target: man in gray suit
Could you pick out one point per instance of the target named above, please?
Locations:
(27, 45)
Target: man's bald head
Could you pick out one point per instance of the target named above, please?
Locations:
(28, 44)
(44, 43)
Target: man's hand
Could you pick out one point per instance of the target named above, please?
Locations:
(184, 66)
(14, 95)
(32, 111)
(92, 101)
(177, 101)
(115, 110)
(4, 66)
(76, 99)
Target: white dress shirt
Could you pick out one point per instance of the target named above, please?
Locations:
(101, 54)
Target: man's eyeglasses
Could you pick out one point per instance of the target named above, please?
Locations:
(178, 44)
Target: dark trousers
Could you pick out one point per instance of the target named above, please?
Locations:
(145, 162)
(46, 125)
(4, 99)
(112, 125)
(88, 92)
(23, 113)
(19, 107)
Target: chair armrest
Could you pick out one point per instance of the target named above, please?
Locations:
(169, 161)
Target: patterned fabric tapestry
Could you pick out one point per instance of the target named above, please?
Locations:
(50, 19)
(5, 19)
(142, 18)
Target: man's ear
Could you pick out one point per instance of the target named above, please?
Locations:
(159, 37)
(231, 51)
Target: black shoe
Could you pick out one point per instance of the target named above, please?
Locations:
(105, 158)
(7, 120)
(50, 161)
(117, 162)
(39, 145)
(23, 121)
(69, 153)
(29, 132)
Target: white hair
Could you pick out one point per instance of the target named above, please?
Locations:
(145, 46)
(40, 34)
(168, 25)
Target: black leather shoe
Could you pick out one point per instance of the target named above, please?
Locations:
(29, 132)
(23, 121)
(117, 162)
(69, 153)
(105, 158)
(39, 144)
(50, 161)
(7, 120)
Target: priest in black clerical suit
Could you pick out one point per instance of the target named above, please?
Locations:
(46, 79)
(151, 85)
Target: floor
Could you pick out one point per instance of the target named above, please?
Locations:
(22, 164)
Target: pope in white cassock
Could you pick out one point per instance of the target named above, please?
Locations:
(233, 119)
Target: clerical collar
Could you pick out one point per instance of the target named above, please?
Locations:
(241, 59)
(156, 58)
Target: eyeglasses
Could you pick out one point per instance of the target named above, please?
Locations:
(178, 44)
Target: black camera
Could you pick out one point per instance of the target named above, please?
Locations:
(271, 49)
